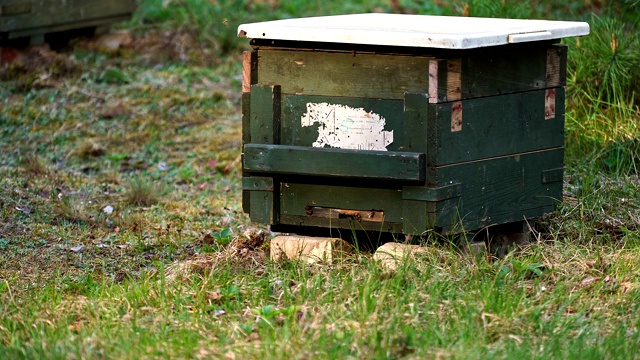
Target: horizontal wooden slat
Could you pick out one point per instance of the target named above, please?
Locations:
(389, 76)
(343, 74)
(255, 183)
(301, 160)
(431, 193)
(505, 185)
(52, 13)
(495, 126)
(294, 108)
(298, 199)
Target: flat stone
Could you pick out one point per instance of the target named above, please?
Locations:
(391, 254)
(308, 249)
(113, 41)
(477, 248)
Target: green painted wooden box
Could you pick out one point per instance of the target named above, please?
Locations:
(346, 126)
(31, 18)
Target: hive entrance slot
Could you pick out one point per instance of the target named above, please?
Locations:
(358, 215)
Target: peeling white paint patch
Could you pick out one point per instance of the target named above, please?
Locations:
(346, 127)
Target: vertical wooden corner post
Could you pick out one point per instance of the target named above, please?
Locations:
(261, 109)
(263, 128)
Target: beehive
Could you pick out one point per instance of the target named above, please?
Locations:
(403, 123)
(35, 19)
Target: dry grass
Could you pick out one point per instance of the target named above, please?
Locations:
(33, 164)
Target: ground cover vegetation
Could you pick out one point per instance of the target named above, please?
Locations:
(122, 235)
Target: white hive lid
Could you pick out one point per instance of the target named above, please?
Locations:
(443, 32)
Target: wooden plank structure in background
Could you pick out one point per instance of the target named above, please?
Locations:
(33, 19)
(402, 139)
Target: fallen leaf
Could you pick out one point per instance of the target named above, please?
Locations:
(113, 41)
(254, 336)
(24, 209)
(77, 248)
(209, 239)
(75, 327)
(212, 295)
(227, 169)
(588, 281)
(113, 111)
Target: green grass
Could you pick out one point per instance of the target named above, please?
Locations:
(174, 268)
(581, 304)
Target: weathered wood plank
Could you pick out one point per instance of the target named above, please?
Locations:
(495, 126)
(556, 66)
(21, 18)
(416, 218)
(414, 124)
(506, 185)
(492, 191)
(364, 164)
(265, 114)
(391, 76)
(347, 224)
(246, 118)
(423, 193)
(263, 205)
(297, 199)
(343, 74)
(246, 138)
(497, 73)
(294, 107)
(249, 70)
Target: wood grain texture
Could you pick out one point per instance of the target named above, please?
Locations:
(550, 104)
(506, 185)
(49, 15)
(502, 72)
(296, 199)
(413, 128)
(246, 71)
(246, 138)
(262, 207)
(556, 73)
(262, 204)
(265, 110)
(494, 126)
(295, 106)
(351, 74)
(309, 161)
(343, 74)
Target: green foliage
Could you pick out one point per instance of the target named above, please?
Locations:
(497, 9)
(114, 76)
(214, 21)
(603, 89)
(223, 237)
(605, 64)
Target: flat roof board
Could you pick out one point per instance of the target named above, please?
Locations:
(444, 32)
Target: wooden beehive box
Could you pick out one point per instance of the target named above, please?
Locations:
(33, 19)
(403, 123)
